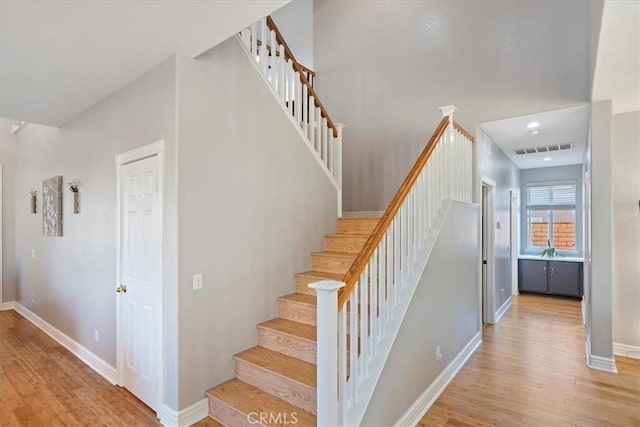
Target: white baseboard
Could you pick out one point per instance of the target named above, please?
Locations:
(361, 214)
(420, 407)
(624, 350)
(107, 371)
(11, 305)
(502, 310)
(600, 363)
(188, 416)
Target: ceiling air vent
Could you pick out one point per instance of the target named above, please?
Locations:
(544, 149)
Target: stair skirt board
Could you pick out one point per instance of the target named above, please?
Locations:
(420, 407)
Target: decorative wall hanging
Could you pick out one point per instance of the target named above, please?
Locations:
(33, 208)
(74, 187)
(52, 206)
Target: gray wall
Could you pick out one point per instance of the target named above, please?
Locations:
(73, 277)
(7, 159)
(253, 204)
(444, 311)
(295, 22)
(495, 165)
(599, 253)
(626, 229)
(551, 174)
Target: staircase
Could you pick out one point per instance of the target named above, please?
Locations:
(275, 382)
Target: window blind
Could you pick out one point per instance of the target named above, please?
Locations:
(551, 196)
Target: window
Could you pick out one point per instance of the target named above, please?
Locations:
(551, 216)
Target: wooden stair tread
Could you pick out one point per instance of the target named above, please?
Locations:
(336, 254)
(322, 275)
(349, 235)
(299, 298)
(289, 327)
(289, 367)
(246, 399)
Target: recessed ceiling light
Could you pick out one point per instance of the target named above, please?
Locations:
(535, 132)
(533, 125)
(546, 159)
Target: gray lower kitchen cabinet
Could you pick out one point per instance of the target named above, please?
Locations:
(550, 277)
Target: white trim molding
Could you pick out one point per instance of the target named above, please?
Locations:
(10, 305)
(359, 214)
(420, 407)
(600, 363)
(624, 350)
(190, 415)
(105, 370)
(502, 310)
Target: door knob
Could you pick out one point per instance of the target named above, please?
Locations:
(121, 289)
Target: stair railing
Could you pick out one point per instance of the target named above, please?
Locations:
(359, 317)
(291, 82)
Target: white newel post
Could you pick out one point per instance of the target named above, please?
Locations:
(337, 164)
(327, 351)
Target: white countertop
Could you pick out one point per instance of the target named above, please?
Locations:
(558, 258)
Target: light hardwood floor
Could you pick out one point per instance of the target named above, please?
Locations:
(530, 371)
(43, 384)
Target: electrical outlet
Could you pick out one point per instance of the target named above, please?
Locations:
(502, 292)
(33, 253)
(197, 281)
(33, 299)
(96, 336)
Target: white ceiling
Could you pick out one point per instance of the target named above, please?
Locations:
(567, 125)
(617, 75)
(58, 57)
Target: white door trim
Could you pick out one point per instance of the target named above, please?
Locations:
(488, 292)
(156, 149)
(1, 237)
(515, 214)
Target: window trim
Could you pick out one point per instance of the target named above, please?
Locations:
(550, 208)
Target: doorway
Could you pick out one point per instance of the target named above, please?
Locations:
(139, 297)
(487, 242)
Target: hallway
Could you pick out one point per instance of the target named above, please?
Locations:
(530, 370)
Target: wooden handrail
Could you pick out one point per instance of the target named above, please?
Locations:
(353, 275)
(307, 70)
(463, 131)
(303, 79)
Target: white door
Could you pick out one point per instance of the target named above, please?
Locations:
(139, 291)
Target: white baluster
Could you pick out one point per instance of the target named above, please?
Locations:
(263, 48)
(364, 322)
(246, 38)
(305, 110)
(396, 257)
(292, 87)
(323, 153)
(282, 86)
(312, 123)
(342, 363)
(254, 41)
(298, 102)
(330, 147)
(373, 303)
(382, 284)
(327, 350)
(353, 347)
(319, 131)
